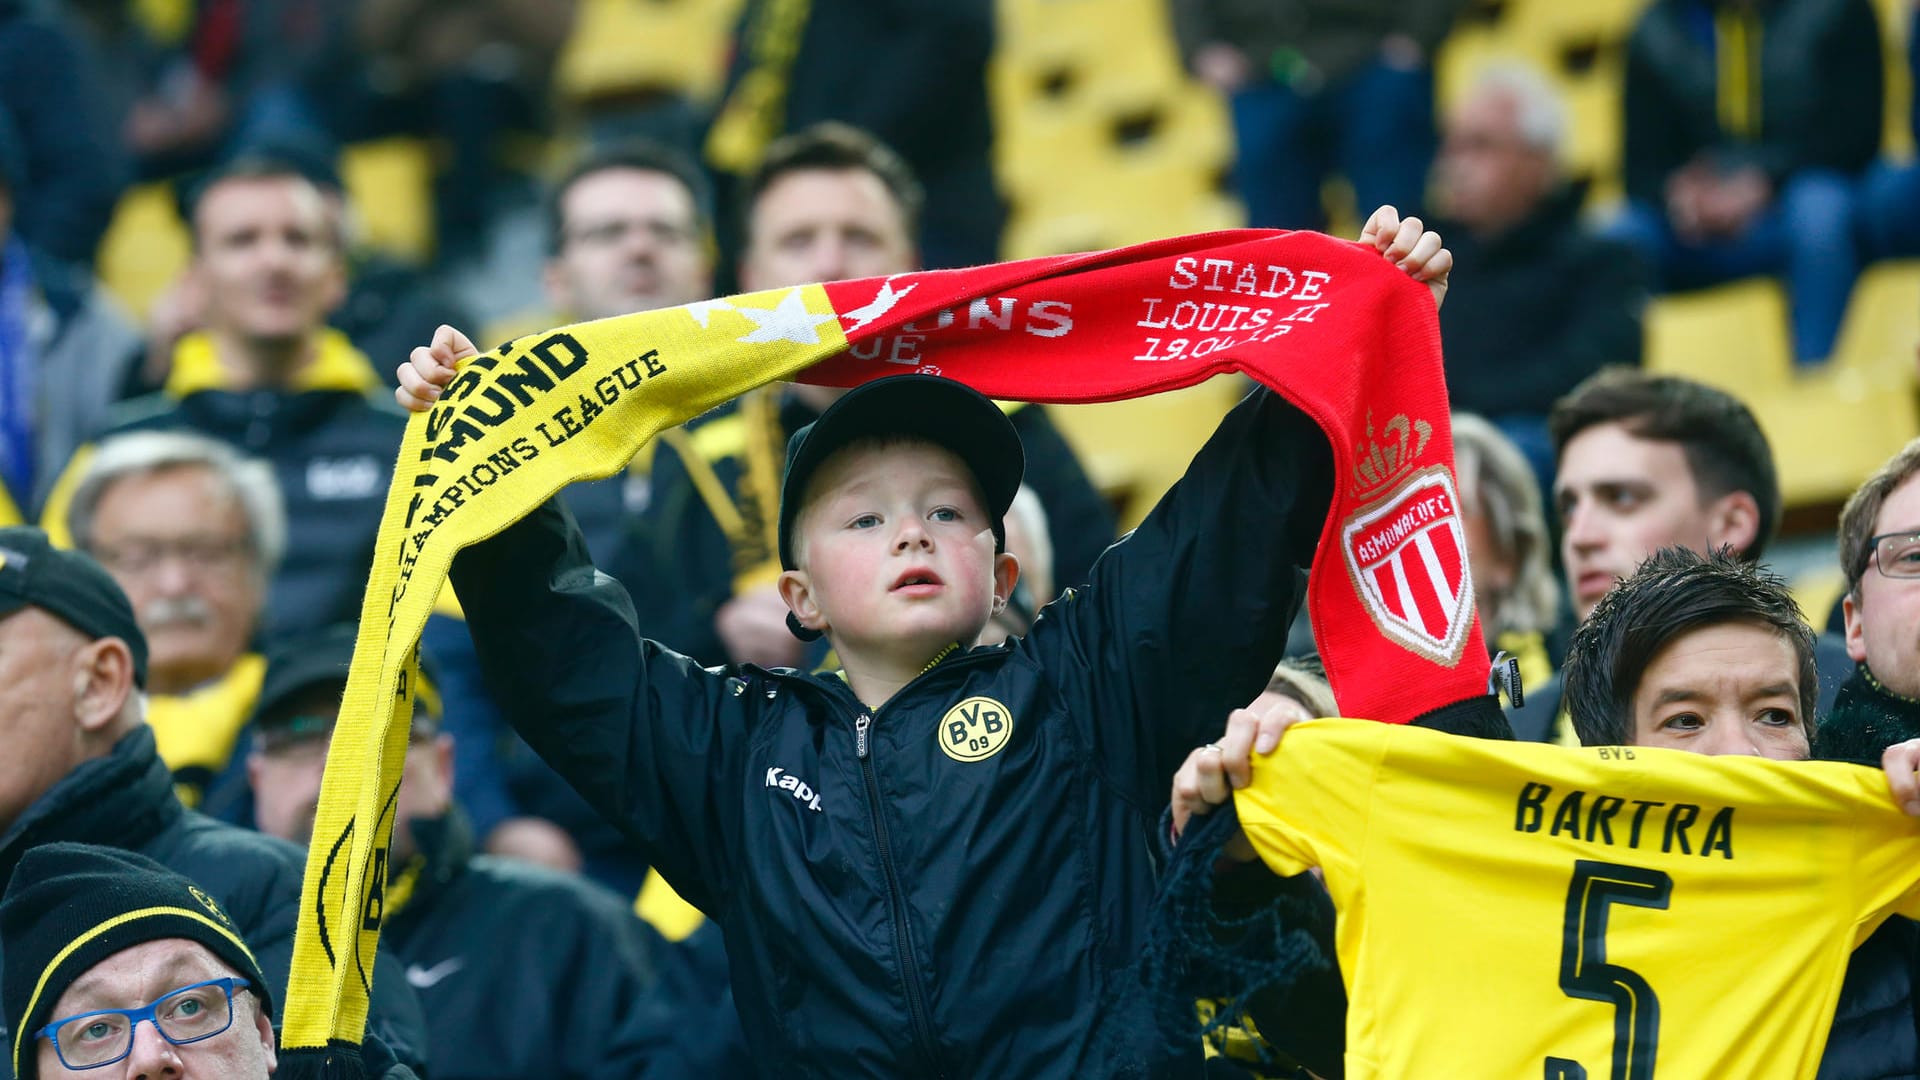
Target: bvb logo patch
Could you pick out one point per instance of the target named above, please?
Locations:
(208, 903)
(975, 729)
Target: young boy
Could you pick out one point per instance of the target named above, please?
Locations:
(936, 862)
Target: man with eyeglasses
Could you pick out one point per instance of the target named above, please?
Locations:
(116, 966)
(78, 765)
(1880, 555)
(192, 532)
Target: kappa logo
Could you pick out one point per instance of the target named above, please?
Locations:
(975, 729)
(1407, 556)
(780, 778)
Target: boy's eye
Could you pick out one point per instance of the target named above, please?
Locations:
(864, 521)
(943, 513)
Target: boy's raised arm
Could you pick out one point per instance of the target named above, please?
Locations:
(638, 730)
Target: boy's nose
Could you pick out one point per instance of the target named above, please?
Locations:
(911, 535)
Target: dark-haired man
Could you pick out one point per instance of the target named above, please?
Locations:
(827, 203)
(1710, 653)
(1647, 462)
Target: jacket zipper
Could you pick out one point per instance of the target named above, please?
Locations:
(902, 951)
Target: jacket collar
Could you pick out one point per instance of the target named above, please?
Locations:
(122, 800)
(1866, 718)
(336, 365)
(443, 849)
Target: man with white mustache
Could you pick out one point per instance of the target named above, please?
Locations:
(192, 532)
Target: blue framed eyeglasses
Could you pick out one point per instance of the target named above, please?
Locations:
(90, 1040)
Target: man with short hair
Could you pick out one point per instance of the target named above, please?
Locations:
(596, 991)
(826, 203)
(268, 377)
(1646, 462)
(1710, 653)
(1880, 555)
(80, 764)
(114, 958)
(1545, 302)
(192, 532)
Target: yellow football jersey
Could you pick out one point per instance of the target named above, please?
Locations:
(1524, 910)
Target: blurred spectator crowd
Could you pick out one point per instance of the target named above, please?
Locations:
(223, 223)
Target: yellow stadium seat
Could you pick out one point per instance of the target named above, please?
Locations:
(1830, 426)
(1561, 23)
(1816, 591)
(1134, 450)
(389, 183)
(1731, 336)
(620, 47)
(145, 248)
(1881, 332)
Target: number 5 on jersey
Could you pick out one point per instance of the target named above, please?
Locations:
(1586, 974)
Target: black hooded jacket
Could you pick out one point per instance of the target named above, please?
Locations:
(126, 800)
(956, 883)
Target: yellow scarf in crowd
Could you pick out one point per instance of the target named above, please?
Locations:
(1330, 325)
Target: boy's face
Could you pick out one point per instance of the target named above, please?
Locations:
(895, 550)
(1733, 688)
(1883, 620)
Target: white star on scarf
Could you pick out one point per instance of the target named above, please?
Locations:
(789, 321)
(702, 310)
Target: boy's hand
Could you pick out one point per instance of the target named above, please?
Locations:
(426, 374)
(1212, 772)
(1900, 761)
(1411, 247)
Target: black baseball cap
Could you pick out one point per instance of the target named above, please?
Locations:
(300, 665)
(948, 414)
(69, 585)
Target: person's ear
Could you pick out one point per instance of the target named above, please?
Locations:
(1734, 521)
(102, 674)
(796, 590)
(1856, 627)
(1006, 574)
(264, 1028)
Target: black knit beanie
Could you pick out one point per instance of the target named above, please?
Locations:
(70, 906)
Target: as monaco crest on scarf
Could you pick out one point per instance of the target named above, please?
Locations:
(1406, 550)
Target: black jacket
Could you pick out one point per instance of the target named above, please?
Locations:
(1817, 102)
(589, 998)
(680, 566)
(332, 452)
(891, 909)
(126, 800)
(1537, 309)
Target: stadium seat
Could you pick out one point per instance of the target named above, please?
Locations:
(390, 185)
(1733, 336)
(620, 47)
(145, 248)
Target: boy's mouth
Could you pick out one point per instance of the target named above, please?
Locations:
(917, 581)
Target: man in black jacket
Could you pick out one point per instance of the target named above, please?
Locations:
(80, 765)
(1543, 301)
(1748, 125)
(595, 991)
